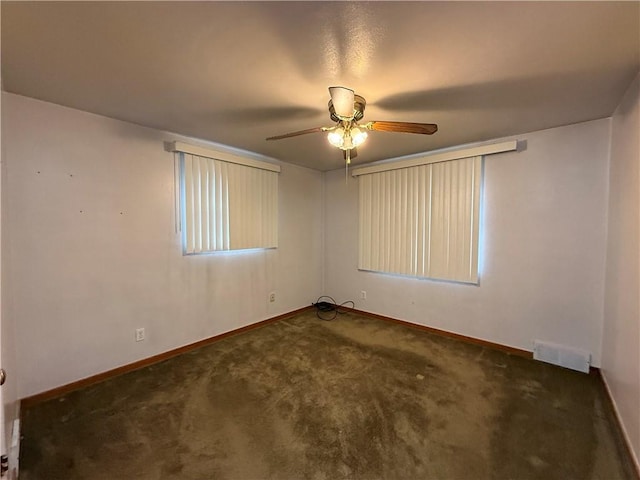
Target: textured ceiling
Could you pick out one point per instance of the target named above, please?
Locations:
(238, 72)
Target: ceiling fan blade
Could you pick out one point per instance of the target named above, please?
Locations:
(343, 101)
(300, 132)
(404, 127)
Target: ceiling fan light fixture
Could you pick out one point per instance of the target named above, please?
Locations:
(347, 138)
(358, 136)
(336, 137)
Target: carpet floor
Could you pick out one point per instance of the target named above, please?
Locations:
(352, 398)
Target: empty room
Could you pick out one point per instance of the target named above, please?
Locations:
(320, 240)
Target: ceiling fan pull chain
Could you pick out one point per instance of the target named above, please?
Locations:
(346, 166)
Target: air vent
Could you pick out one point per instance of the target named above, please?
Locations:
(562, 355)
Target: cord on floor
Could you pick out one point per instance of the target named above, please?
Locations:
(328, 309)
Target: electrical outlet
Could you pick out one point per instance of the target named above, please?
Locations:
(139, 334)
(363, 295)
(272, 297)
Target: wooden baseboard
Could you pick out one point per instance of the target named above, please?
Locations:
(85, 382)
(70, 387)
(443, 333)
(64, 389)
(595, 371)
(616, 415)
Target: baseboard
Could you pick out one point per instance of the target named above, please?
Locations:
(65, 389)
(514, 351)
(625, 434)
(85, 382)
(444, 333)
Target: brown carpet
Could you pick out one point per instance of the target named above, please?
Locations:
(354, 398)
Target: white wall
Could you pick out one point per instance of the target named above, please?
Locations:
(542, 249)
(78, 284)
(91, 251)
(10, 404)
(621, 337)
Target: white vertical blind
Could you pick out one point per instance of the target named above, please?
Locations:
(423, 220)
(227, 206)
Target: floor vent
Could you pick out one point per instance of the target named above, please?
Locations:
(561, 355)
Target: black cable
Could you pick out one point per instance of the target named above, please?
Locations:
(328, 309)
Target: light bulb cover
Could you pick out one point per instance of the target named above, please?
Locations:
(346, 138)
(358, 136)
(336, 137)
(343, 101)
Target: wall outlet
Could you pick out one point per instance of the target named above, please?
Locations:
(363, 295)
(272, 297)
(139, 334)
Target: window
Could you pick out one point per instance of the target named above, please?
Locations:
(226, 202)
(420, 216)
(422, 220)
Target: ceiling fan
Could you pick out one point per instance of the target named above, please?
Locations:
(347, 109)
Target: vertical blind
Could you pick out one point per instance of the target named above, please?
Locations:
(227, 206)
(422, 221)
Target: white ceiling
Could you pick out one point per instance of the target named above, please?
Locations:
(238, 72)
